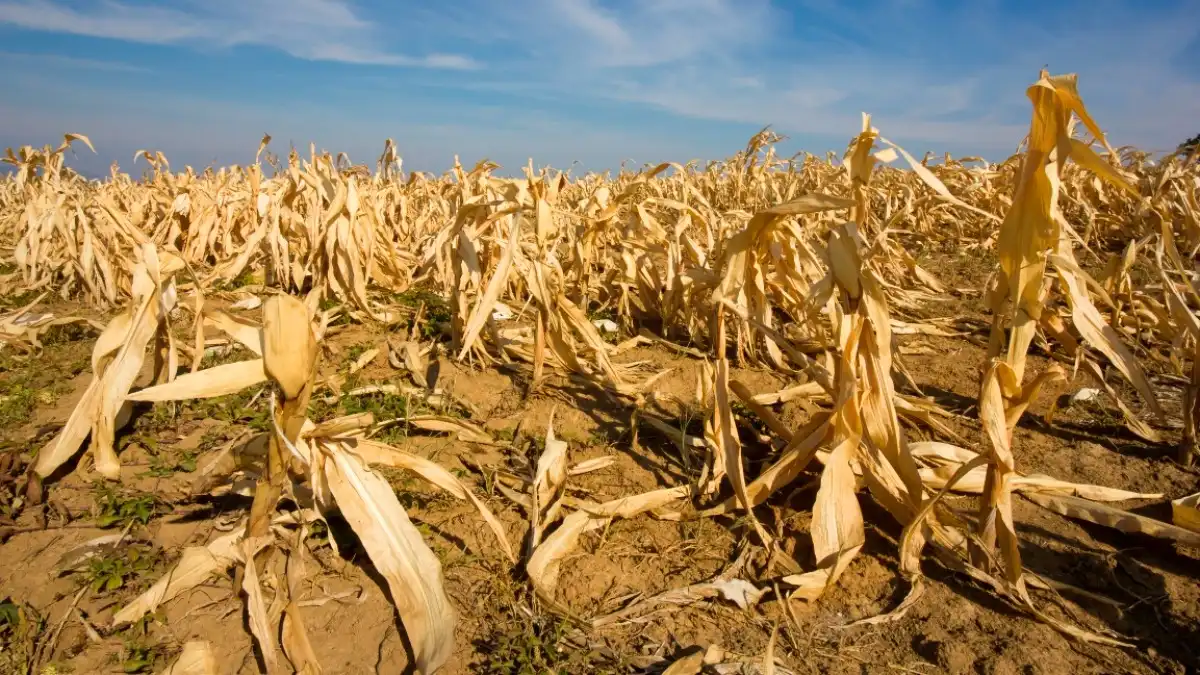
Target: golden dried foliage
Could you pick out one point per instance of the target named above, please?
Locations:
(803, 265)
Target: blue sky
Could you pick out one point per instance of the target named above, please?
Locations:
(593, 81)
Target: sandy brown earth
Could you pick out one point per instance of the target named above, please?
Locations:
(57, 615)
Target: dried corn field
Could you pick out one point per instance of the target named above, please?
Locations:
(867, 413)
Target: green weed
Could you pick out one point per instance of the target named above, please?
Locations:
(537, 646)
(162, 466)
(320, 411)
(221, 357)
(327, 303)
(233, 409)
(25, 387)
(20, 629)
(437, 311)
(318, 533)
(139, 652)
(747, 416)
(17, 403)
(105, 574)
(357, 350)
(119, 508)
(245, 278)
(383, 407)
(139, 656)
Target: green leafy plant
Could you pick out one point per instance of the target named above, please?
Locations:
(328, 303)
(10, 617)
(383, 407)
(357, 350)
(27, 385)
(70, 332)
(118, 508)
(17, 403)
(109, 573)
(141, 657)
(527, 650)
(166, 466)
(222, 356)
(20, 629)
(436, 315)
(18, 299)
(232, 409)
(245, 278)
(318, 533)
(139, 652)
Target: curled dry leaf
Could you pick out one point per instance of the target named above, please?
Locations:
(197, 565)
(261, 624)
(737, 591)
(195, 659)
(543, 565)
(465, 431)
(549, 481)
(289, 345)
(378, 453)
(413, 572)
(221, 380)
(590, 465)
(945, 460)
(686, 665)
(1185, 511)
(364, 360)
(806, 390)
(74, 559)
(1098, 333)
(487, 301)
(245, 333)
(915, 592)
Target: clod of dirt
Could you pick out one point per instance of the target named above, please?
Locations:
(955, 657)
(1002, 665)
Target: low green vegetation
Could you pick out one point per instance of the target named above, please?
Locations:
(120, 507)
(130, 565)
(436, 314)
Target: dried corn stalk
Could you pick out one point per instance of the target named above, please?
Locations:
(333, 457)
(1029, 237)
(117, 359)
(865, 435)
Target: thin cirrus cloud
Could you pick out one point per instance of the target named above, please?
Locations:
(647, 33)
(932, 72)
(594, 80)
(320, 30)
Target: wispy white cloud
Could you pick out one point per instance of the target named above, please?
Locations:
(110, 20)
(318, 30)
(933, 73)
(644, 33)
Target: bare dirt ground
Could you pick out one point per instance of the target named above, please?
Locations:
(56, 610)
